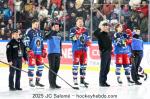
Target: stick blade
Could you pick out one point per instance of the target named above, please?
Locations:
(77, 88)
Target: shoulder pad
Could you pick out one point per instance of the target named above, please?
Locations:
(27, 31)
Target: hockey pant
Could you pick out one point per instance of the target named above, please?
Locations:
(122, 59)
(79, 59)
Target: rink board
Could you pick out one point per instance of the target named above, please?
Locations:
(93, 57)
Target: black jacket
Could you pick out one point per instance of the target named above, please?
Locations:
(15, 49)
(104, 40)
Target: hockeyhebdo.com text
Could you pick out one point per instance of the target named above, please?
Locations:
(74, 96)
(95, 96)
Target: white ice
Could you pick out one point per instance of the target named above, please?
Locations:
(121, 91)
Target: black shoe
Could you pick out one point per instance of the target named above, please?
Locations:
(119, 80)
(75, 84)
(57, 86)
(138, 83)
(129, 80)
(107, 85)
(82, 81)
(104, 85)
(12, 89)
(19, 89)
(38, 83)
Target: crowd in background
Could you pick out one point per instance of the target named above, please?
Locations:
(22, 12)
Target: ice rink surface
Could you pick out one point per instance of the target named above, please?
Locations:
(115, 91)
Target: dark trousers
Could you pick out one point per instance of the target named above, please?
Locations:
(16, 63)
(136, 60)
(105, 66)
(54, 64)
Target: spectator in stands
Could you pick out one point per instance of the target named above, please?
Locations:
(133, 22)
(29, 6)
(71, 21)
(55, 16)
(107, 8)
(113, 22)
(123, 22)
(117, 9)
(19, 26)
(18, 7)
(47, 24)
(35, 12)
(42, 21)
(57, 2)
(52, 9)
(143, 24)
(10, 25)
(61, 11)
(71, 8)
(96, 20)
(2, 25)
(7, 13)
(1, 3)
(11, 5)
(43, 11)
(87, 22)
(125, 11)
(144, 7)
(2, 34)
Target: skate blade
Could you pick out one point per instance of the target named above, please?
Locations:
(83, 86)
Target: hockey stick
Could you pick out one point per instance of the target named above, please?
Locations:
(13, 66)
(61, 77)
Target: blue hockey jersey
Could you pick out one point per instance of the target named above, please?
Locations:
(34, 40)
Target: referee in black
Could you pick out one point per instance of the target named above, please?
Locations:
(15, 50)
(105, 47)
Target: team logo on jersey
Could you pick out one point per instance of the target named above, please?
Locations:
(38, 43)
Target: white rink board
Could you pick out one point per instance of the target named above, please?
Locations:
(91, 62)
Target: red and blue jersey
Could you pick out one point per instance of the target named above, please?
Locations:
(79, 38)
(120, 44)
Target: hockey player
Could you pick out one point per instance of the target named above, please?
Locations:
(35, 49)
(121, 40)
(137, 55)
(80, 42)
(15, 51)
(54, 53)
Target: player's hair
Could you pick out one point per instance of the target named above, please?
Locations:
(136, 28)
(117, 27)
(14, 31)
(79, 18)
(34, 20)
